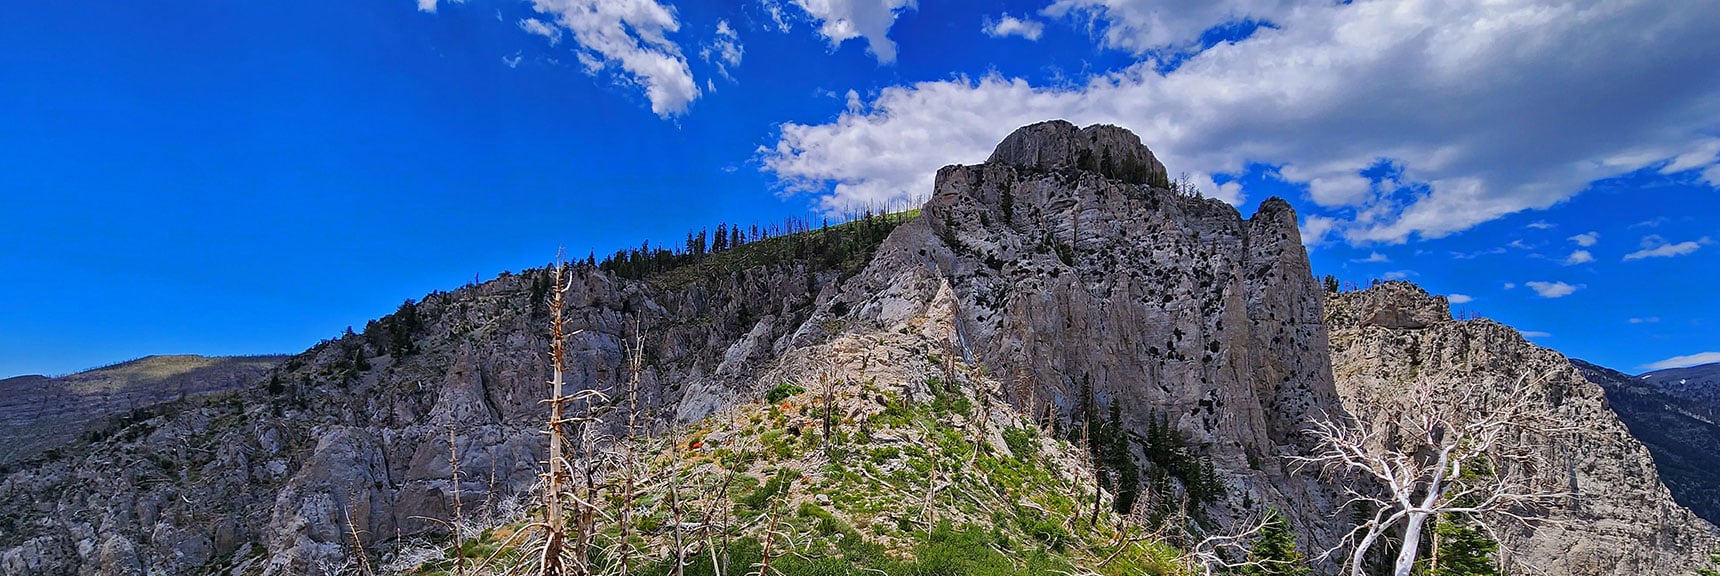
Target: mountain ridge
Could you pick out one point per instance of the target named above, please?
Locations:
(1064, 273)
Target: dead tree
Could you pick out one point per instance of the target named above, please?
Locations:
(1443, 448)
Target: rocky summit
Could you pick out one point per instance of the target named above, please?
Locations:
(1060, 291)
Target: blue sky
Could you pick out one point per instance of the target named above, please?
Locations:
(223, 177)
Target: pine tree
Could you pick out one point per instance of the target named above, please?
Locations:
(1120, 459)
(1275, 554)
(1462, 550)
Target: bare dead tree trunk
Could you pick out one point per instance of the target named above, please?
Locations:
(1446, 449)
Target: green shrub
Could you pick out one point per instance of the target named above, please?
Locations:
(782, 392)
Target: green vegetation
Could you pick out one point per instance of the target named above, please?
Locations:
(1459, 549)
(1275, 554)
(1713, 568)
(844, 247)
(782, 392)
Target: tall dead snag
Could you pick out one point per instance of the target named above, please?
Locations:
(555, 475)
(1443, 448)
(553, 555)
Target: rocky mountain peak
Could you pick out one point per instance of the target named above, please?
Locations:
(1057, 145)
(1393, 304)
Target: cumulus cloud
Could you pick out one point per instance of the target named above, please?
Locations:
(430, 5)
(1535, 334)
(1485, 108)
(1586, 239)
(1007, 25)
(840, 20)
(724, 50)
(1374, 257)
(1540, 225)
(629, 37)
(1398, 274)
(1459, 298)
(1552, 289)
(1142, 26)
(1696, 359)
(540, 28)
(1579, 257)
(1654, 246)
(1648, 320)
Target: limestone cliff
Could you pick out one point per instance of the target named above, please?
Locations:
(1617, 518)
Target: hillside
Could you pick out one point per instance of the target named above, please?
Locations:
(38, 413)
(1696, 387)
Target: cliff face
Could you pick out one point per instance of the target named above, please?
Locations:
(1679, 433)
(1618, 518)
(1174, 306)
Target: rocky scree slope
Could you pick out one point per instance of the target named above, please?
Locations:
(1617, 519)
(875, 452)
(1685, 444)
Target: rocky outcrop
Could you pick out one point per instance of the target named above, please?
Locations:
(1170, 305)
(1617, 519)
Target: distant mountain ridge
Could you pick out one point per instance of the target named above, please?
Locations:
(1697, 387)
(1685, 442)
(39, 413)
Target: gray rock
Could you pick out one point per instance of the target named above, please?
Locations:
(1618, 518)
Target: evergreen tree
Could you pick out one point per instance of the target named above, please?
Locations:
(1462, 550)
(1275, 552)
(1120, 459)
(721, 241)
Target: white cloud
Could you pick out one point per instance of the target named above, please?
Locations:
(1540, 225)
(512, 61)
(630, 35)
(1535, 334)
(1437, 88)
(538, 27)
(1510, 285)
(1586, 239)
(1011, 26)
(1654, 246)
(725, 50)
(1314, 229)
(1648, 320)
(1459, 298)
(1552, 289)
(1703, 156)
(1142, 26)
(1579, 257)
(840, 20)
(1398, 274)
(1684, 361)
(1374, 257)
(430, 5)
